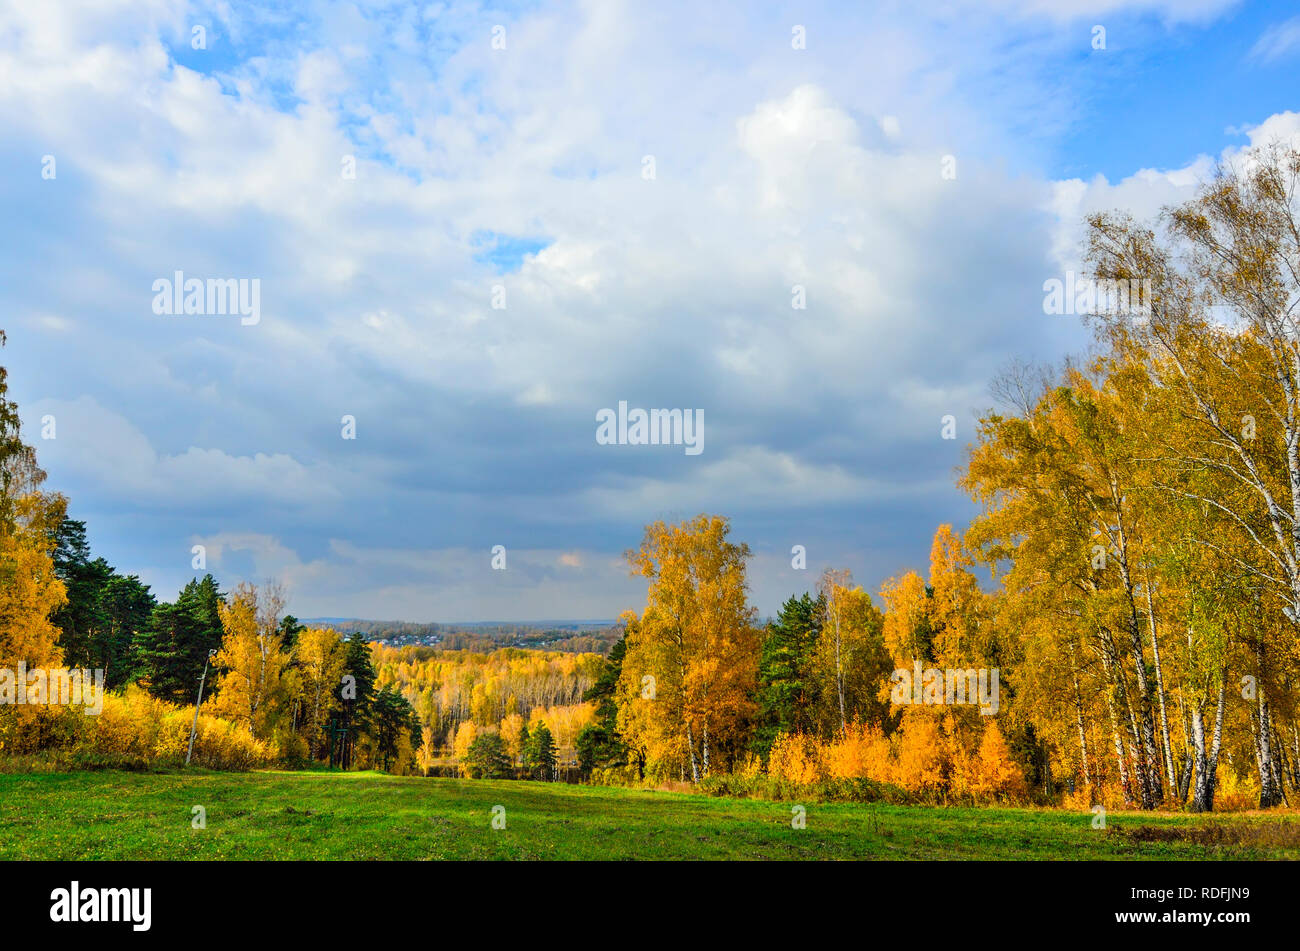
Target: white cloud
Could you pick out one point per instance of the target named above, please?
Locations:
(475, 424)
(1148, 191)
(1278, 42)
(99, 447)
(1173, 11)
(754, 478)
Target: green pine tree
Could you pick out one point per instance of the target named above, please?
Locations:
(488, 758)
(356, 693)
(599, 744)
(786, 688)
(173, 646)
(539, 754)
(391, 715)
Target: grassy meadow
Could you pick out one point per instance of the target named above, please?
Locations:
(322, 815)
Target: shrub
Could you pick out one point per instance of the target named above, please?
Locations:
(137, 731)
(225, 745)
(921, 760)
(782, 790)
(627, 775)
(795, 758)
(861, 753)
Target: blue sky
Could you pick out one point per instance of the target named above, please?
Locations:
(1166, 96)
(515, 176)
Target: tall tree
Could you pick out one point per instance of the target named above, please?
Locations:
(1220, 345)
(320, 656)
(539, 753)
(787, 689)
(172, 648)
(127, 608)
(83, 577)
(394, 728)
(355, 693)
(30, 589)
(252, 660)
(849, 657)
(599, 743)
(697, 643)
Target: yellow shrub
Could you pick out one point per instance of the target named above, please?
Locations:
(750, 767)
(173, 736)
(615, 776)
(861, 753)
(1235, 791)
(127, 726)
(288, 746)
(997, 775)
(795, 758)
(922, 762)
(135, 724)
(221, 744)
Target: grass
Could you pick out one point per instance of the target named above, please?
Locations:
(283, 815)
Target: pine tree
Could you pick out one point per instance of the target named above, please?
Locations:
(104, 612)
(487, 757)
(539, 754)
(787, 693)
(599, 743)
(395, 728)
(126, 605)
(355, 693)
(84, 578)
(172, 648)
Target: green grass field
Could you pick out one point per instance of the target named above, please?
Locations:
(283, 815)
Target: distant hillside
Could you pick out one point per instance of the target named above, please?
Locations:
(595, 637)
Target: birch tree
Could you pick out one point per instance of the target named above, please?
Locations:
(695, 640)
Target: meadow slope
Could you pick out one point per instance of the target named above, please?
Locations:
(319, 815)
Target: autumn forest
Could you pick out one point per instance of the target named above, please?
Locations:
(1117, 626)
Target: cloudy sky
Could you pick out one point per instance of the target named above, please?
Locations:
(502, 155)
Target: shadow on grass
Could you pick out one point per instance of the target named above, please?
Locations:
(1270, 835)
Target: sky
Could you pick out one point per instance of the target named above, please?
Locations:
(474, 227)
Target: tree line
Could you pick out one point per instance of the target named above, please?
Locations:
(278, 691)
(1140, 515)
(1139, 522)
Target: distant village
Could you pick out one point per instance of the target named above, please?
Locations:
(595, 637)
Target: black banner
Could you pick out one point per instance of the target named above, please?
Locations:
(946, 901)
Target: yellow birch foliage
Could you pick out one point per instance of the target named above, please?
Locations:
(512, 731)
(29, 593)
(907, 618)
(796, 758)
(251, 660)
(956, 603)
(922, 763)
(998, 775)
(862, 752)
(466, 734)
(320, 654)
(697, 640)
(427, 755)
